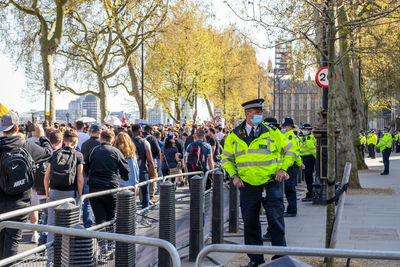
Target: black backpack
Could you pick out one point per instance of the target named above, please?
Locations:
(195, 160)
(63, 169)
(38, 180)
(16, 171)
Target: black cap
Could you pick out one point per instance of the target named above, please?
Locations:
(95, 127)
(386, 128)
(271, 121)
(287, 122)
(306, 126)
(256, 104)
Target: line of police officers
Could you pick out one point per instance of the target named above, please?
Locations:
(258, 157)
(386, 143)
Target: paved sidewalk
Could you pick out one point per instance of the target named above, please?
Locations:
(371, 218)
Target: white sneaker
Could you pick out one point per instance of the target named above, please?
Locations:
(35, 238)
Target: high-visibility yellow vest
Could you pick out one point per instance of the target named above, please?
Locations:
(385, 141)
(397, 137)
(363, 140)
(292, 138)
(256, 160)
(371, 139)
(308, 146)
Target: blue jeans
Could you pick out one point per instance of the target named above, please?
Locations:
(144, 190)
(87, 212)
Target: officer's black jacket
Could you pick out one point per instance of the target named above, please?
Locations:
(102, 166)
(39, 153)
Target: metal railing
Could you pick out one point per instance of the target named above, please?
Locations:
(12, 214)
(296, 251)
(98, 235)
(25, 254)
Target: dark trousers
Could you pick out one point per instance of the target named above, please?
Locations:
(9, 238)
(87, 212)
(251, 200)
(362, 148)
(371, 151)
(398, 148)
(385, 155)
(290, 190)
(309, 163)
(144, 190)
(104, 206)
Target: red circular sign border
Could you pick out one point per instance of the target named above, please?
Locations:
(316, 77)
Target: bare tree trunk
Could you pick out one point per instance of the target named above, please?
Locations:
(210, 110)
(47, 60)
(135, 88)
(351, 116)
(330, 209)
(103, 98)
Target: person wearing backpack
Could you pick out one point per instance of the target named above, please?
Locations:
(64, 177)
(198, 156)
(17, 160)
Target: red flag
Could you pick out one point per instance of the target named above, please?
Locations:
(123, 118)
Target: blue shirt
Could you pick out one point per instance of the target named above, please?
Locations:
(205, 150)
(169, 155)
(133, 173)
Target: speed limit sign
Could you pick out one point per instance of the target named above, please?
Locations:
(322, 77)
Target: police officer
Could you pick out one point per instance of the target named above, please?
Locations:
(308, 153)
(290, 185)
(251, 157)
(371, 142)
(397, 141)
(385, 145)
(363, 142)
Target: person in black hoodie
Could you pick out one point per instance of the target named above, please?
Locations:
(86, 148)
(102, 166)
(9, 238)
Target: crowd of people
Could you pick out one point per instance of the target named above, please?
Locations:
(71, 160)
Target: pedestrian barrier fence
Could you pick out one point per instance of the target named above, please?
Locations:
(12, 214)
(296, 251)
(99, 244)
(73, 232)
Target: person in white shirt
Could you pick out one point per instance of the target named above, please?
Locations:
(83, 137)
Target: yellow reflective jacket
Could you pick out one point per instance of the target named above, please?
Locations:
(363, 140)
(292, 138)
(397, 137)
(385, 141)
(256, 160)
(308, 146)
(371, 139)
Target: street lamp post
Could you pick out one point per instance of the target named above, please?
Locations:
(67, 115)
(142, 111)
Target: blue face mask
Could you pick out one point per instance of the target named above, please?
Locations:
(257, 119)
(304, 132)
(283, 131)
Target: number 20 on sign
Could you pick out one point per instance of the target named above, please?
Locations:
(322, 77)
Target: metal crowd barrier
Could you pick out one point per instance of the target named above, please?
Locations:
(104, 226)
(173, 253)
(12, 214)
(296, 251)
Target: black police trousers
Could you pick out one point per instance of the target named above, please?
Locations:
(371, 151)
(309, 163)
(385, 155)
(290, 189)
(251, 199)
